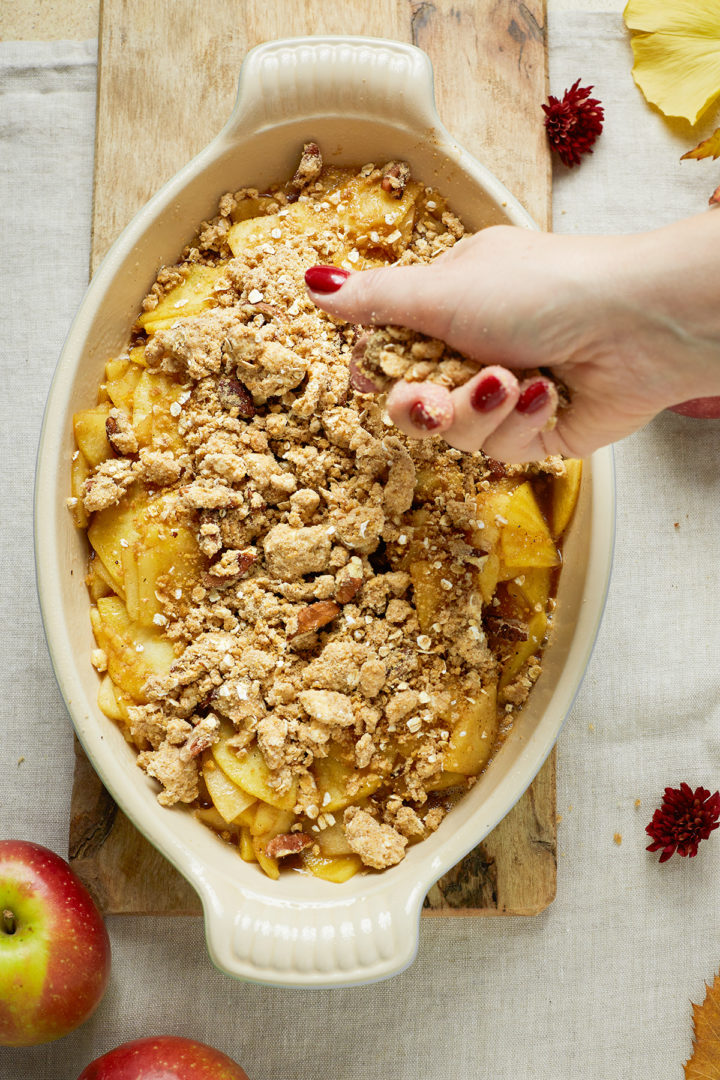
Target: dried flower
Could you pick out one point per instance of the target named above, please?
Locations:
(685, 818)
(573, 123)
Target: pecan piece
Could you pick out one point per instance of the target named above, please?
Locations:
(120, 433)
(496, 469)
(395, 178)
(507, 629)
(232, 394)
(358, 379)
(316, 615)
(287, 844)
(309, 167)
(230, 566)
(348, 580)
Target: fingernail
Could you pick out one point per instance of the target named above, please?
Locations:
(488, 394)
(533, 398)
(422, 417)
(325, 279)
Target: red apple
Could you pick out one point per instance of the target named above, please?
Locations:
(54, 948)
(164, 1057)
(702, 408)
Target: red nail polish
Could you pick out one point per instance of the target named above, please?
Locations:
(488, 394)
(533, 398)
(422, 417)
(325, 279)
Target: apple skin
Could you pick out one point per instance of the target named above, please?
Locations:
(702, 408)
(165, 1057)
(55, 966)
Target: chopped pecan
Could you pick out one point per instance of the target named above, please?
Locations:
(232, 565)
(347, 590)
(120, 433)
(204, 735)
(232, 394)
(348, 580)
(268, 310)
(245, 560)
(395, 177)
(507, 629)
(496, 469)
(358, 379)
(287, 844)
(111, 427)
(316, 615)
(309, 168)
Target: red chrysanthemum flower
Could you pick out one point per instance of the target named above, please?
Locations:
(685, 818)
(574, 123)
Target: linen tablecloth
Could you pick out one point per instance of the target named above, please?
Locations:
(599, 985)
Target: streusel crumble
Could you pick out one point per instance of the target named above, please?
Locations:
(314, 630)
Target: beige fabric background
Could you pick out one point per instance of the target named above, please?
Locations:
(597, 987)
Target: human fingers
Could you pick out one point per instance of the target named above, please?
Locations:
(420, 409)
(413, 296)
(520, 437)
(480, 406)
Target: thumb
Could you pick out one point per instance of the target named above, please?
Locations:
(403, 295)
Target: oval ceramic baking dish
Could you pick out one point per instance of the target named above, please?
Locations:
(299, 931)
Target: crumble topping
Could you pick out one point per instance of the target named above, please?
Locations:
(310, 626)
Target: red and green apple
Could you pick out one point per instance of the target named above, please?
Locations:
(702, 408)
(54, 948)
(164, 1057)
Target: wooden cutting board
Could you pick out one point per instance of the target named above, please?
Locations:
(167, 81)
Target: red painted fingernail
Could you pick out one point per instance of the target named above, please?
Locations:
(422, 417)
(488, 394)
(533, 398)
(325, 279)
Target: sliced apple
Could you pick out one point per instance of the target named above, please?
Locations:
(107, 701)
(154, 394)
(338, 868)
(249, 233)
(367, 208)
(271, 821)
(474, 731)
(194, 295)
(91, 435)
(253, 206)
(333, 780)
(122, 378)
(525, 538)
(134, 652)
(112, 530)
(446, 780)
(79, 472)
(247, 851)
(428, 593)
(521, 653)
(229, 799)
(249, 771)
(333, 841)
(531, 587)
(565, 493)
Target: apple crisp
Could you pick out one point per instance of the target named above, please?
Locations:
(314, 630)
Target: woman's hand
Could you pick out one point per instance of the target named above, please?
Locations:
(630, 324)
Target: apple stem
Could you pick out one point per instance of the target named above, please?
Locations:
(8, 922)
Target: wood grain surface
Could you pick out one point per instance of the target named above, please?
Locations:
(167, 81)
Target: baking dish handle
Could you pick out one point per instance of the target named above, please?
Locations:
(315, 76)
(350, 941)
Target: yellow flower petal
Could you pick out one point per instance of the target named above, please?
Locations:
(677, 53)
(707, 148)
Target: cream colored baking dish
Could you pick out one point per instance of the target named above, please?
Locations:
(299, 931)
